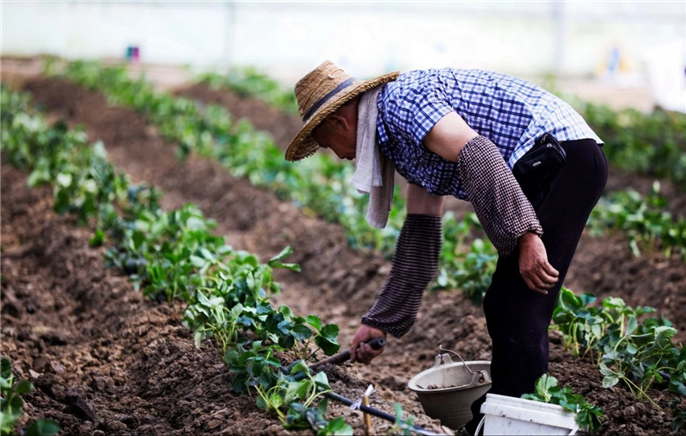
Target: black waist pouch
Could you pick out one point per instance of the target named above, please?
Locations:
(540, 163)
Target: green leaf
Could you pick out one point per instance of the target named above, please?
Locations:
(300, 366)
(98, 239)
(289, 266)
(322, 381)
(301, 332)
(631, 325)
(197, 261)
(276, 400)
(282, 255)
(544, 385)
(604, 370)
(6, 368)
(43, 427)
(64, 179)
(198, 336)
(261, 403)
(326, 339)
(24, 387)
(610, 380)
(194, 223)
(329, 331)
(336, 426)
(314, 321)
(298, 390)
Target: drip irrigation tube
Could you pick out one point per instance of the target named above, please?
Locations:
(375, 412)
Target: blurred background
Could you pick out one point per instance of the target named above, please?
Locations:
(622, 54)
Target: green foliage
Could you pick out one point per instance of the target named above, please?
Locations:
(678, 415)
(646, 222)
(629, 347)
(465, 266)
(172, 255)
(588, 416)
(12, 406)
(249, 81)
(402, 426)
(653, 144)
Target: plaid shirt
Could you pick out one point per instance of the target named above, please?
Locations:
(510, 112)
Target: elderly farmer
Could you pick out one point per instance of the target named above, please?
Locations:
(528, 163)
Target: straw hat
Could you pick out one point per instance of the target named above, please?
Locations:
(320, 93)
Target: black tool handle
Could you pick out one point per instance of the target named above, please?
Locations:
(337, 359)
(344, 356)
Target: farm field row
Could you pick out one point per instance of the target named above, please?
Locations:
(320, 184)
(79, 105)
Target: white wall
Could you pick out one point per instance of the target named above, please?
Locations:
(366, 38)
(165, 32)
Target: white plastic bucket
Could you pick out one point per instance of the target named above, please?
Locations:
(454, 388)
(516, 416)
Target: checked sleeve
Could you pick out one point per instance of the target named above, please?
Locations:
(415, 264)
(503, 209)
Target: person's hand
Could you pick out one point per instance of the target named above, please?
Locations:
(365, 353)
(538, 274)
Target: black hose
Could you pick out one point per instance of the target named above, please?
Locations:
(372, 411)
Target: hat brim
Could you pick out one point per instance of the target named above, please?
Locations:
(303, 145)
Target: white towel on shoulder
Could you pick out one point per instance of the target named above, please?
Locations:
(374, 172)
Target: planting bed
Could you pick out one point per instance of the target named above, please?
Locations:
(130, 357)
(103, 359)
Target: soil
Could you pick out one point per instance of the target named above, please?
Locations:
(337, 283)
(282, 126)
(103, 359)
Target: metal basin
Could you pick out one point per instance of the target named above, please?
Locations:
(448, 389)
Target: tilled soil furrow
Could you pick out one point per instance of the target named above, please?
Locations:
(102, 359)
(337, 283)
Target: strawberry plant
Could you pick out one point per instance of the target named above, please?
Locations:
(12, 406)
(464, 266)
(588, 416)
(652, 144)
(249, 81)
(645, 221)
(630, 348)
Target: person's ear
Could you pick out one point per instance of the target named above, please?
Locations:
(337, 122)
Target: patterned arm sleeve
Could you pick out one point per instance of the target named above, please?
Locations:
(415, 264)
(503, 209)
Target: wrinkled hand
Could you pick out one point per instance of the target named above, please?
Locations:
(365, 353)
(538, 274)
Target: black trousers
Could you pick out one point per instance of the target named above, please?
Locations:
(517, 317)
